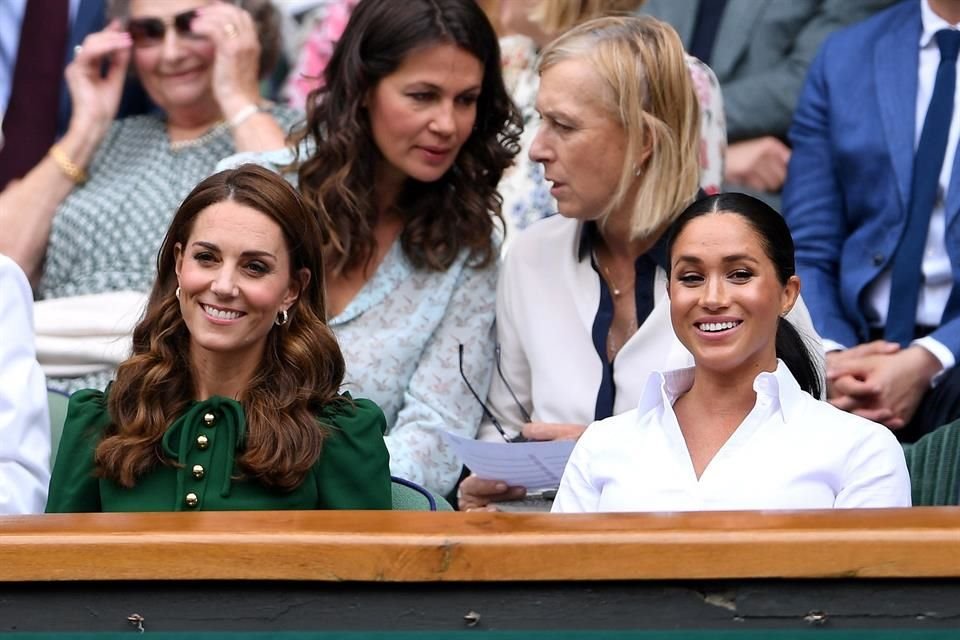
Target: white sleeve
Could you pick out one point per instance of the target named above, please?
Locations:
(577, 492)
(875, 474)
(513, 361)
(24, 420)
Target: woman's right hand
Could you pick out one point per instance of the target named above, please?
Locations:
(95, 96)
(477, 494)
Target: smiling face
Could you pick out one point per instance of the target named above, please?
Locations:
(423, 113)
(177, 70)
(580, 143)
(725, 296)
(235, 277)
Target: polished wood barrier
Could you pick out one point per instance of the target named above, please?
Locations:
(481, 547)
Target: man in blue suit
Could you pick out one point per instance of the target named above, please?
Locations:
(849, 194)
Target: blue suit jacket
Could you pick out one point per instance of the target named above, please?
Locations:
(848, 185)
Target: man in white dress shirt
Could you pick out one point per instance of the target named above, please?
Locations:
(24, 420)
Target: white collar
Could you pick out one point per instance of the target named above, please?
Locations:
(664, 387)
(931, 24)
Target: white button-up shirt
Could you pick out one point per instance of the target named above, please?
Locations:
(24, 420)
(790, 452)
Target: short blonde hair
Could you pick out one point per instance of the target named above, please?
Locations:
(556, 16)
(641, 62)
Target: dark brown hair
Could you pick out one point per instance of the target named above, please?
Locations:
(302, 366)
(444, 217)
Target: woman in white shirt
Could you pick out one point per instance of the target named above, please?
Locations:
(742, 428)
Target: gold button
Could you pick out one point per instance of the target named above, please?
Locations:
(203, 441)
(198, 471)
(208, 419)
(191, 500)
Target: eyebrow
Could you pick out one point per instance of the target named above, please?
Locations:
(568, 118)
(738, 257)
(434, 87)
(252, 253)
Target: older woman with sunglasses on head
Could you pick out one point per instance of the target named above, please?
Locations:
(582, 316)
(89, 217)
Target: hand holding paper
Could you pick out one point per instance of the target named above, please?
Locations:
(534, 465)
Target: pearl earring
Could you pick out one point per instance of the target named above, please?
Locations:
(177, 293)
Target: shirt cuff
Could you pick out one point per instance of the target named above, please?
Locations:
(941, 353)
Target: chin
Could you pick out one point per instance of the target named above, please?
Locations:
(575, 214)
(217, 345)
(428, 175)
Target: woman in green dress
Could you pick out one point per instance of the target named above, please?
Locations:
(230, 400)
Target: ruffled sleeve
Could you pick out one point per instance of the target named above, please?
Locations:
(353, 471)
(73, 487)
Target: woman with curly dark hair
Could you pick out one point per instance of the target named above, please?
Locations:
(402, 151)
(231, 397)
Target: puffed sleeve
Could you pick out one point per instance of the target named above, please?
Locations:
(73, 487)
(354, 468)
(713, 125)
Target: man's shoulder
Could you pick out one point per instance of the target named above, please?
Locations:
(868, 30)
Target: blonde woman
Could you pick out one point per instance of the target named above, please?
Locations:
(525, 27)
(582, 312)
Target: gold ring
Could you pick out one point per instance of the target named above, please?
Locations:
(230, 30)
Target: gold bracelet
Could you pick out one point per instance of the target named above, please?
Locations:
(68, 166)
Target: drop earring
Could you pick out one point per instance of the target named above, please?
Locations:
(282, 318)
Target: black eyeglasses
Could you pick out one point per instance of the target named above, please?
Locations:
(486, 410)
(150, 31)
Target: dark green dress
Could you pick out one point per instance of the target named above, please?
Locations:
(352, 472)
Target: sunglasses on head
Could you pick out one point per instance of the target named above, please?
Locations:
(148, 31)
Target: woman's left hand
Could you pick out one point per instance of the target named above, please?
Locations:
(237, 63)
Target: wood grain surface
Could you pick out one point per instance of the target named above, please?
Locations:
(481, 547)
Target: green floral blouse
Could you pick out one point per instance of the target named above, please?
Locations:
(352, 472)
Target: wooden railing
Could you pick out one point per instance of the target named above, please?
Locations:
(481, 547)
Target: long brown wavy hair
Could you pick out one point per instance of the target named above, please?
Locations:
(302, 366)
(441, 218)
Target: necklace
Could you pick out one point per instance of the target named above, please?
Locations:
(213, 132)
(615, 288)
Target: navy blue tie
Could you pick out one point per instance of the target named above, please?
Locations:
(907, 262)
